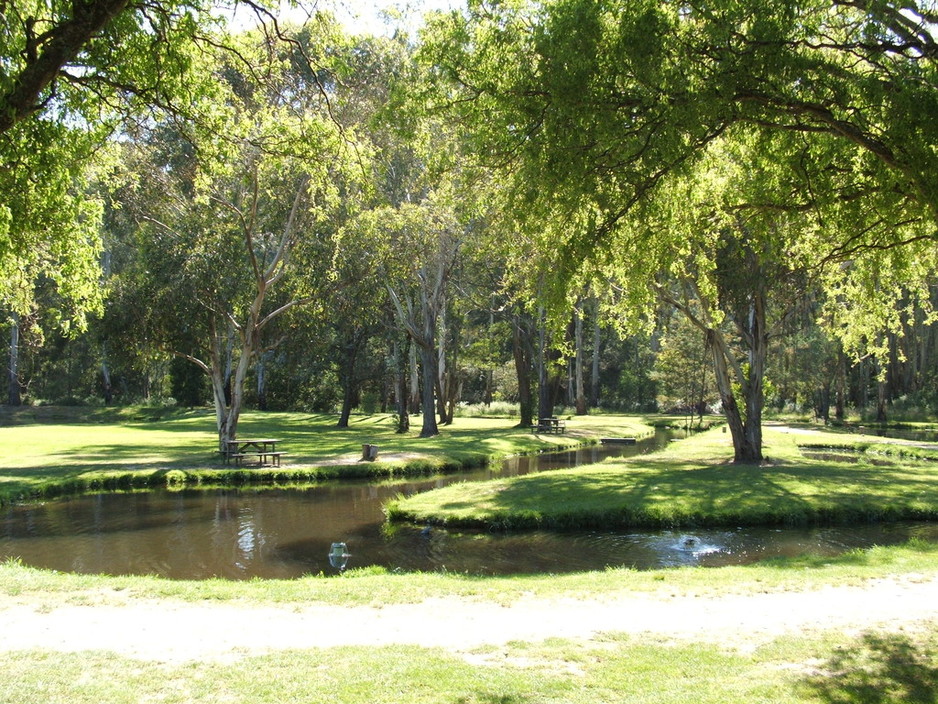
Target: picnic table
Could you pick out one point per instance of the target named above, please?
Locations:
(549, 425)
(263, 449)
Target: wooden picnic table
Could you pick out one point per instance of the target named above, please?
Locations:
(549, 425)
(264, 449)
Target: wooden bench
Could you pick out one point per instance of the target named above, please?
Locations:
(264, 450)
(271, 458)
(549, 425)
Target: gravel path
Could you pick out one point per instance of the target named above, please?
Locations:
(177, 632)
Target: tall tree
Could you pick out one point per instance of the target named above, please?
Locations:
(72, 74)
(420, 247)
(239, 228)
(592, 109)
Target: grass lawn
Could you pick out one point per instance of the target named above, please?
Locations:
(811, 477)
(45, 458)
(818, 476)
(873, 669)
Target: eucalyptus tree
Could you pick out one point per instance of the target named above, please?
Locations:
(360, 310)
(238, 230)
(416, 248)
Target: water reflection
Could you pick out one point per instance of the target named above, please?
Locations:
(288, 533)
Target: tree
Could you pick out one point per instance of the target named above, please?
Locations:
(73, 73)
(419, 250)
(92, 59)
(683, 369)
(238, 230)
(592, 110)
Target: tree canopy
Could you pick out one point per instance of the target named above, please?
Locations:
(313, 210)
(596, 113)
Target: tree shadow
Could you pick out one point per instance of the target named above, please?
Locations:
(879, 669)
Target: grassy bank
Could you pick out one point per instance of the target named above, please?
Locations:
(814, 667)
(810, 478)
(871, 668)
(807, 473)
(53, 451)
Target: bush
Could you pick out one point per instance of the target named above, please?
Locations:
(496, 409)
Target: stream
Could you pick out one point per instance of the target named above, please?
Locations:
(287, 533)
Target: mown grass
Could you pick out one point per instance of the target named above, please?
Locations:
(147, 450)
(871, 668)
(691, 483)
(815, 667)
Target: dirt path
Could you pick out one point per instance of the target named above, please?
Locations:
(176, 632)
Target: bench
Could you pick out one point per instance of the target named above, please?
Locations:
(264, 450)
(271, 458)
(549, 425)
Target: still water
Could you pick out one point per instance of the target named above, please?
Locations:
(272, 533)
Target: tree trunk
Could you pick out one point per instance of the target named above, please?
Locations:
(401, 357)
(746, 433)
(260, 371)
(428, 360)
(443, 376)
(545, 407)
(840, 398)
(13, 377)
(106, 390)
(413, 399)
(522, 350)
(487, 393)
(594, 375)
(347, 377)
(578, 364)
(346, 411)
(881, 396)
(753, 384)
(220, 389)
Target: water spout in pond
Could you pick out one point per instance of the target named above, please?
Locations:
(689, 543)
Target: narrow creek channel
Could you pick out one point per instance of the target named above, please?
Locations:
(287, 533)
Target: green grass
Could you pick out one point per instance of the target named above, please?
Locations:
(690, 479)
(692, 484)
(110, 451)
(869, 668)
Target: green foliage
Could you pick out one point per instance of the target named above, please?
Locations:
(682, 370)
(71, 75)
(719, 155)
(187, 383)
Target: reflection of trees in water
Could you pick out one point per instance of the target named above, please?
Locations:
(881, 669)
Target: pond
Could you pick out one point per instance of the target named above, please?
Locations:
(279, 533)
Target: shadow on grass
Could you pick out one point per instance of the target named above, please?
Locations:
(879, 669)
(670, 491)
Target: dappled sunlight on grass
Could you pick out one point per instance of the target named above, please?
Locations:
(879, 668)
(689, 483)
(74, 455)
